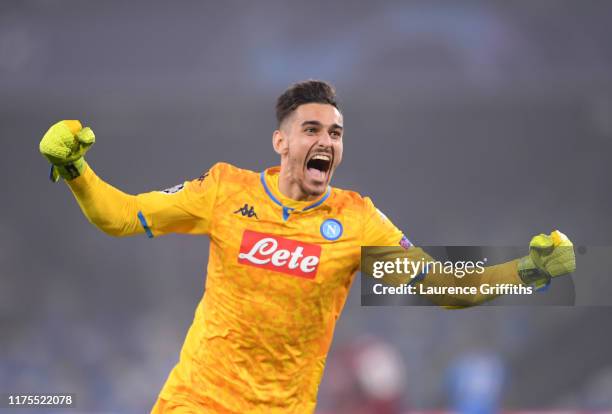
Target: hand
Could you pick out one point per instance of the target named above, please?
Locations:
(549, 256)
(64, 145)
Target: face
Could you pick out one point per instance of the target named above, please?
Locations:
(309, 143)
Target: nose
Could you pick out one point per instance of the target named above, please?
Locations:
(325, 140)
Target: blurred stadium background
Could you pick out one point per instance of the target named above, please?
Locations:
(473, 122)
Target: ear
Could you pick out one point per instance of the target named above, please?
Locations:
(279, 142)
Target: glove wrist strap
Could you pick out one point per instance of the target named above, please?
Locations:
(530, 274)
(68, 171)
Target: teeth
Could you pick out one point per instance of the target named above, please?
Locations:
(324, 157)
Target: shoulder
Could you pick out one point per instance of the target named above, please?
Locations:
(226, 168)
(223, 173)
(351, 200)
(230, 173)
(354, 202)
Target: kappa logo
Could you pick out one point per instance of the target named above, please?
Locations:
(268, 251)
(246, 211)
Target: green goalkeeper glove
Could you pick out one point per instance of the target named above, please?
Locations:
(549, 256)
(64, 145)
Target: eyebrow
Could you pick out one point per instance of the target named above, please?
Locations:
(319, 124)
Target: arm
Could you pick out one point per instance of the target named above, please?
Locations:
(505, 273)
(501, 274)
(419, 269)
(109, 209)
(549, 256)
(185, 209)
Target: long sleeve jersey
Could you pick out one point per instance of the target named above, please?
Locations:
(278, 275)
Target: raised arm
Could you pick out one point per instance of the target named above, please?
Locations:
(549, 256)
(185, 208)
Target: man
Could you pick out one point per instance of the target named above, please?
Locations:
(284, 249)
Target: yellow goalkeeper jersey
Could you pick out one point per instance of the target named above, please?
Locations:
(278, 275)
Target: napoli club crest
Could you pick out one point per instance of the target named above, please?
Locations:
(331, 229)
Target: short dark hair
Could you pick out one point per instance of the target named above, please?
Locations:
(300, 93)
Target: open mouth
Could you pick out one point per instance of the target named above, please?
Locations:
(318, 165)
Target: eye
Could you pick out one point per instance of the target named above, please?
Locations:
(336, 134)
(310, 130)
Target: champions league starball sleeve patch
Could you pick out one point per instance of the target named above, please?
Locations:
(179, 187)
(174, 189)
(405, 243)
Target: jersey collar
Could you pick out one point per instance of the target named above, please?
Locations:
(269, 181)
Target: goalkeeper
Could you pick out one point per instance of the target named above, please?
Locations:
(285, 247)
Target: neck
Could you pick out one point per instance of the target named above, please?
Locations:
(290, 188)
